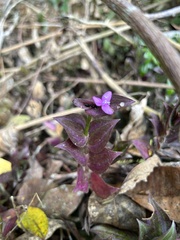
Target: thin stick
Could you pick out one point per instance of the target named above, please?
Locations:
(121, 82)
(29, 42)
(164, 14)
(102, 74)
(47, 118)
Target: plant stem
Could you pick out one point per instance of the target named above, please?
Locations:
(88, 121)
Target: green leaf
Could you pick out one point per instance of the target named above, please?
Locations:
(171, 233)
(159, 220)
(108, 232)
(143, 230)
(158, 226)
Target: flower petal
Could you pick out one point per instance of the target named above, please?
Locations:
(107, 109)
(107, 96)
(97, 101)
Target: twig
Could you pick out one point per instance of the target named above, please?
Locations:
(29, 42)
(95, 37)
(110, 82)
(121, 82)
(47, 118)
(164, 14)
(106, 24)
(152, 36)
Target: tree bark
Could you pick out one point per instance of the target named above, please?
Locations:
(168, 57)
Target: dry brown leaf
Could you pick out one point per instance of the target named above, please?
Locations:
(53, 166)
(61, 201)
(140, 173)
(164, 186)
(34, 108)
(8, 140)
(120, 212)
(136, 127)
(35, 170)
(25, 55)
(38, 91)
(30, 188)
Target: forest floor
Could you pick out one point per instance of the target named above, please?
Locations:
(52, 52)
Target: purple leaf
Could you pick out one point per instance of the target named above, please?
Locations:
(53, 140)
(172, 139)
(95, 112)
(158, 126)
(84, 103)
(76, 152)
(82, 183)
(74, 125)
(10, 224)
(99, 162)
(119, 101)
(101, 188)
(143, 146)
(99, 133)
(89, 106)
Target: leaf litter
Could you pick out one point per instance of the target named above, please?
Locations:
(45, 71)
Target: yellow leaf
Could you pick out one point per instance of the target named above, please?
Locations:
(35, 221)
(5, 166)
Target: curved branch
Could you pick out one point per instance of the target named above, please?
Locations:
(152, 36)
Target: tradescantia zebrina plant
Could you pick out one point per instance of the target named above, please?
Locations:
(88, 137)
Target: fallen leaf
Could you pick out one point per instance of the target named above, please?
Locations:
(34, 220)
(109, 232)
(120, 212)
(35, 169)
(136, 127)
(61, 201)
(8, 140)
(38, 91)
(5, 166)
(34, 108)
(164, 186)
(53, 166)
(140, 173)
(30, 188)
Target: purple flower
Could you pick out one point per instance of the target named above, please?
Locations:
(104, 102)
